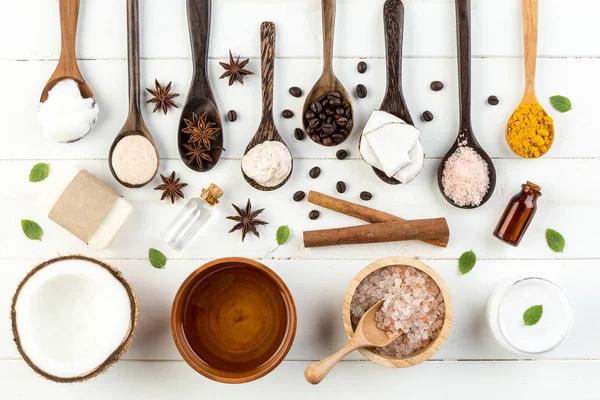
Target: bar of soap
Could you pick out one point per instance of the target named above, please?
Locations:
(84, 205)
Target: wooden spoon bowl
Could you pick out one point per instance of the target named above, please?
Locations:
(266, 130)
(436, 343)
(200, 99)
(328, 82)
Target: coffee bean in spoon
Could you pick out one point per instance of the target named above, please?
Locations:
(493, 101)
(298, 134)
(436, 86)
(362, 67)
(427, 116)
(296, 91)
(287, 114)
(315, 172)
(340, 187)
(314, 214)
(299, 196)
(341, 154)
(366, 196)
(328, 121)
(361, 91)
(232, 116)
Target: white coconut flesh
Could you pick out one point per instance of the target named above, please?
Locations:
(71, 316)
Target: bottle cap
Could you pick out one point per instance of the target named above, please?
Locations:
(212, 194)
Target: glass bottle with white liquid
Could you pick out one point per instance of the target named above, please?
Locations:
(192, 217)
(508, 303)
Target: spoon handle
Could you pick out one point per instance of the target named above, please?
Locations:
(530, 30)
(267, 63)
(133, 55)
(329, 7)
(317, 371)
(463, 30)
(199, 20)
(69, 15)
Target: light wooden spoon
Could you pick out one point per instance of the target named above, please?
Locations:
(366, 334)
(530, 30)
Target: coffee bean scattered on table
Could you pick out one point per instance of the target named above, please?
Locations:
(314, 214)
(436, 86)
(362, 67)
(361, 91)
(493, 101)
(298, 134)
(366, 196)
(341, 154)
(427, 116)
(287, 114)
(296, 91)
(328, 121)
(340, 187)
(299, 196)
(232, 116)
(315, 172)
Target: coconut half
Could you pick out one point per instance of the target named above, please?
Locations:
(73, 317)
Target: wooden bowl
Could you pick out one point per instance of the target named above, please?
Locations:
(436, 343)
(233, 320)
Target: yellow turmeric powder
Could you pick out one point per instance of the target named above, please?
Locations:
(530, 131)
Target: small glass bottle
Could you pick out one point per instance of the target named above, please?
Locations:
(518, 215)
(192, 217)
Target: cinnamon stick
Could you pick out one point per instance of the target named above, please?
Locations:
(421, 229)
(364, 213)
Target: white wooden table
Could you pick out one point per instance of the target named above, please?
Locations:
(471, 364)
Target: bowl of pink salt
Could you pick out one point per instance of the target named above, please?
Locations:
(417, 303)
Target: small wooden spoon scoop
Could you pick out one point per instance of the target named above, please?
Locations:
(530, 29)
(366, 334)
(266, 130)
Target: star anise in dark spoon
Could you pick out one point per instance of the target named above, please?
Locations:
(171, 187)
(197, 154)
(201, 130)
(162, 97)
(235, 70)
(246, 220)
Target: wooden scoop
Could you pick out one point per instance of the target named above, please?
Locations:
(328, 82)
(466, 137)
(530, 29)
(200, 99)
(366, 334)
(134, 125)
(266, 130)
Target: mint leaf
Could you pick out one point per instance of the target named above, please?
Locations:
(533, 315)
(555, 240)
(39, 172)
(560, 103)
(466, 262)
(157, 259)
(283, 234)
(31, 229)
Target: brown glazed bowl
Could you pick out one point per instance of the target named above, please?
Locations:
(233, 320)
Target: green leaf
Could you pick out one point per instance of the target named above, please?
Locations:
(533, 315)
(157, 259)
(466, 262)
(283, 234)
(555, 240)
(39, 172)
(31, 229)
(560, 103)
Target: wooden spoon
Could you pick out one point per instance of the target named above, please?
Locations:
(530, 29)
(366, 334)
(466, 137)
(328, 82)
(200, 99)
(67, 67)
(266, 129)
(393, 101)
(134, 125)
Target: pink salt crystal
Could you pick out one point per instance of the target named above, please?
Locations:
(466, 177)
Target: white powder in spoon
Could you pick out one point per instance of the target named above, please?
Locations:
(134, 160)
(66, 116)
(268, 163)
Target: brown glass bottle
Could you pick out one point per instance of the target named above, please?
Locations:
(518, 215)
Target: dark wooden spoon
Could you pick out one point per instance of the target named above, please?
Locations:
(328, 82)
(466, 137)
(200, 99)
(134, 125)
(266, 130)
(393, 101)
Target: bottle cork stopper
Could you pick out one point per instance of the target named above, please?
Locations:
(212, 194)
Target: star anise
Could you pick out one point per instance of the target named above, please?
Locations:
(197, 154)
(201, 130)
(162, 97)
(171, 187)
(246, 220)
(235, 70)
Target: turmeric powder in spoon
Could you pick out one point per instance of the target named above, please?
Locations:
(530, 131)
